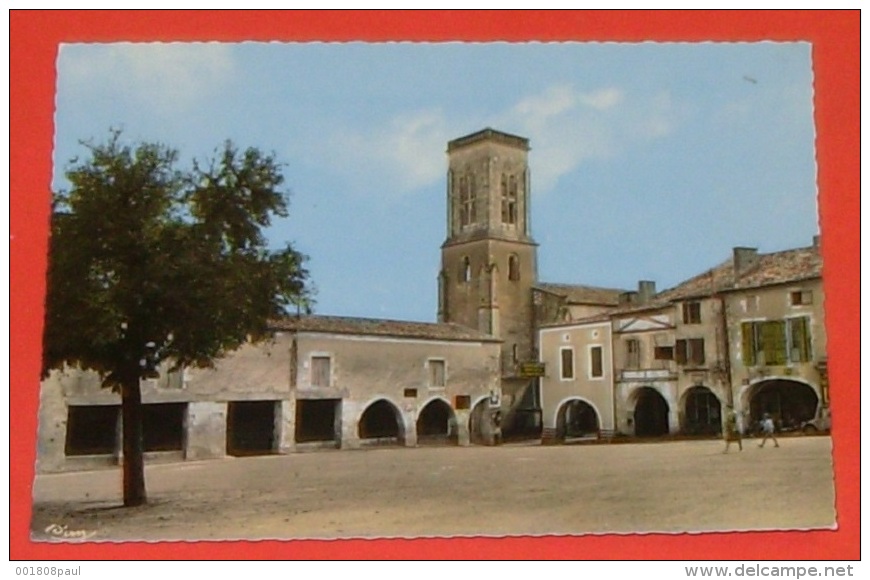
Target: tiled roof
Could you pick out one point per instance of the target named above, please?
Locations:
(379, 327)
(768, 270)
(577, 294)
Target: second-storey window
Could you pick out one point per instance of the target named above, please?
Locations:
(321, 367)
(567, 361)
(632, 353)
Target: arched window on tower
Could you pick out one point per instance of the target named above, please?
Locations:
(512, 200)
(472, 200)
(463, 201)
(465, 270)
(513, 268)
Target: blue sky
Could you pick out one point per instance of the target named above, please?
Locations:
(649, 161)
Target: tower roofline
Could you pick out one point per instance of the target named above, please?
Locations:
(489, 134)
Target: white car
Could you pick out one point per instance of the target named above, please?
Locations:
(821, 424)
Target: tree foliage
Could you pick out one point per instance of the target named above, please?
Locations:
(150, 263)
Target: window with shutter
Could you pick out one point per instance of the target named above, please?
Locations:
(567, 363)
(773, 342)
(799, 339)
(749, 345)
(437, 375)
(596, 368)
(320, 371)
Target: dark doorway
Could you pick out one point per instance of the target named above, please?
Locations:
(92, 429)
(576, 418)
(163, 426)
(316, 420)
(380, 423)
(789, 402)
(251, 427)
(437, 424)
(650, 413)
(703, 412)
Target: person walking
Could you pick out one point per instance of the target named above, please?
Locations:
(768, 428)
(732, 432)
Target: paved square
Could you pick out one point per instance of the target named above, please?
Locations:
(447, 491)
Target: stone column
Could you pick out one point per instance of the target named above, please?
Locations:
(464, 436)
(349, 430)
(206, 430)
(285, 426)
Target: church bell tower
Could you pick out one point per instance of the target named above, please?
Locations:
(488, 261)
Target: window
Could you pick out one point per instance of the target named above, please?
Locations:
(663, 353)
(437, 376)
(321, 371)
(799, 346)
(801, 297)
(513, 268)
(764, 343)
(465, 270)
(690, 351)
(567, 367)
(515, 353)
(691, 313)
(509, 199)
(462, 402)
(467, 205)
(410, 393)
(596, 366)
(632, 353)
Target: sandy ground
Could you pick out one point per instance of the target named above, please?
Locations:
(448, 491)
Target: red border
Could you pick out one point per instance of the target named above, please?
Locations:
(34, 37)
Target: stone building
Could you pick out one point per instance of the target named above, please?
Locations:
(488, 277)
(319, 382)
(510, 355)
(748, 334)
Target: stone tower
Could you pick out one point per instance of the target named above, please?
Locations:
(488, 261)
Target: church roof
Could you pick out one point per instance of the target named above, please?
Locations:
(579, 294)
(380, 327)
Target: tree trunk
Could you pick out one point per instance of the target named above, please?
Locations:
(134, 460)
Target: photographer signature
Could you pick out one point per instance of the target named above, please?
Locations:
(63, 531)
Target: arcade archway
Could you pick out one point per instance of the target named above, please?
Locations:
(650, 413)
(576, 418)
(702, 412)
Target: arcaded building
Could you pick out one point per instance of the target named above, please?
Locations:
(747, 334)
(510, 356)
(319, 382)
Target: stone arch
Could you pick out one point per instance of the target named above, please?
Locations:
(790, 401)
(576, 417)
(479, 425)
(701, 411)
(651, 411)
(381, 423)
(436, 423)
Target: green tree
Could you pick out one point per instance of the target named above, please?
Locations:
(149, 264)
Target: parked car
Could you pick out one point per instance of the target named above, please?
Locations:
(821, 423)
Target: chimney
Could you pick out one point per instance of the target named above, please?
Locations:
(817, 241)
(744, 259)
(646, 289)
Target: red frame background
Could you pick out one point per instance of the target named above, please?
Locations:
(835, 36)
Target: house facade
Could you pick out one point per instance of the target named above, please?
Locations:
(747, 334)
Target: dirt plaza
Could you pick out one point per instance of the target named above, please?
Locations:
(675, 486)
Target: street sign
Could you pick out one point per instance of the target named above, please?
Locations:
(530, 370)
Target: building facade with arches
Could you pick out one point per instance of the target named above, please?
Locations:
(746, 335)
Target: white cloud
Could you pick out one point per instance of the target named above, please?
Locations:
(568, 126)
(399, 155)
(162, 77)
